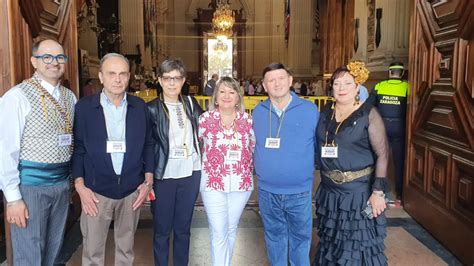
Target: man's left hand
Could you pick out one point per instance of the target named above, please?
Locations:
(143, 191)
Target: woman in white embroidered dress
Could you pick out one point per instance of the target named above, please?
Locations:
(227, 167)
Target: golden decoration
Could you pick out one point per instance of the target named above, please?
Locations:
(358, 70)
(223, 21)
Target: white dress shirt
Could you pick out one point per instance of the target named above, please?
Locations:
(14, 108)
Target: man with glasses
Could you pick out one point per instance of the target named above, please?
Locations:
(36, 147)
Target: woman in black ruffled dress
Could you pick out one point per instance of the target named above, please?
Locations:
(353, 164)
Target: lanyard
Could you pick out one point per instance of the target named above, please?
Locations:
(281, 122)
(45, 94)
(337, 129)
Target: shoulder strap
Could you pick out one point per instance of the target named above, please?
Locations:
(191, 103)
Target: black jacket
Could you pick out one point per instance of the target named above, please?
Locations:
(160, 129)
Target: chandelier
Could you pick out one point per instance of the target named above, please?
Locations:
(223, 21)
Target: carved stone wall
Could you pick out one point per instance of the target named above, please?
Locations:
(394, 35)
(299, 47)
(132, 30)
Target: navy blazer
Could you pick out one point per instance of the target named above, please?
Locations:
(90, 159)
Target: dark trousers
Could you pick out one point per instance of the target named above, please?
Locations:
(396, 137)
(173, 210)
(398, 153)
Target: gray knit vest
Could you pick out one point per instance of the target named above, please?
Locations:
(39, 142)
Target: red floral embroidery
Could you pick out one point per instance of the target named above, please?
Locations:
(216, 145)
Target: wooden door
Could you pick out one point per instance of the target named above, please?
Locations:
(439, 177)
(24, 22)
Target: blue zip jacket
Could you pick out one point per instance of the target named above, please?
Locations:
(289, 169)
(91, 160)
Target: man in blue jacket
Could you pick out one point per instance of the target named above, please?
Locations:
(285, 131)
(113, 149)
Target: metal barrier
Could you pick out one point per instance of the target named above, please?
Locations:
(147, 95)
(250, 102)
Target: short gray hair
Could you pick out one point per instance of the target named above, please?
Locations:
(172, 64)
(110, 55)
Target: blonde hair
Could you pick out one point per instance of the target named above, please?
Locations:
(233, 84)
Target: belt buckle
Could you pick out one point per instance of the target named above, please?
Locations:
(341, 175)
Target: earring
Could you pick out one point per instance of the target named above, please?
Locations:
(216, 104)
(357, 99)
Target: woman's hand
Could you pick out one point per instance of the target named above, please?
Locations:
(377, 200)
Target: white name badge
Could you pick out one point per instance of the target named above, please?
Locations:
(64, 140)
(178, 153)
(233, 155)
(272, 143)
(329, 152)
(114, 146)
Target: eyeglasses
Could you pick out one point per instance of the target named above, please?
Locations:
(49, 58)
(174, 79)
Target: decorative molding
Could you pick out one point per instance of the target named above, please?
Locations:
(378, 29)
(444, 64)
(370, 26)
(356, 35)
(54, 16)
(31, 11)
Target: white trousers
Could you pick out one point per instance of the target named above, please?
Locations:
(223, 213)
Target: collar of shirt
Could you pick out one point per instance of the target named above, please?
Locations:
(280, 112)
(51, 89)
(105, 101)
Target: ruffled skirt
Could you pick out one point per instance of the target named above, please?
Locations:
(346, 237)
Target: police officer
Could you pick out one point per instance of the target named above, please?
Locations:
(392, 97)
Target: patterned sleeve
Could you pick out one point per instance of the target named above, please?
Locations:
(252, 135)
(379, 143)
(202, 120)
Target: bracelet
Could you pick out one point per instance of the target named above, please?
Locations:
(379, 193)
(11, 203)
(148, 185)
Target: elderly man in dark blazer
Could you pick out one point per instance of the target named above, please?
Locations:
(112, 163)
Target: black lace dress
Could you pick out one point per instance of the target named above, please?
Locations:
(346, 237)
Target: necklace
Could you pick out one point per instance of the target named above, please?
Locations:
(341, 115)
(228, 120)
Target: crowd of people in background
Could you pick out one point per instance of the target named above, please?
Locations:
(249, 86)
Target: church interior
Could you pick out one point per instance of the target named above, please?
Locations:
(434, 39)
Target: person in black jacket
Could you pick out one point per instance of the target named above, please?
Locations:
(174, 121)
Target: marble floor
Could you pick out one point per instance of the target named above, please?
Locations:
(407, 243)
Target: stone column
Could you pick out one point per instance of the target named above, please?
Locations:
(394, 27)
(299, 40)
(132, 31)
